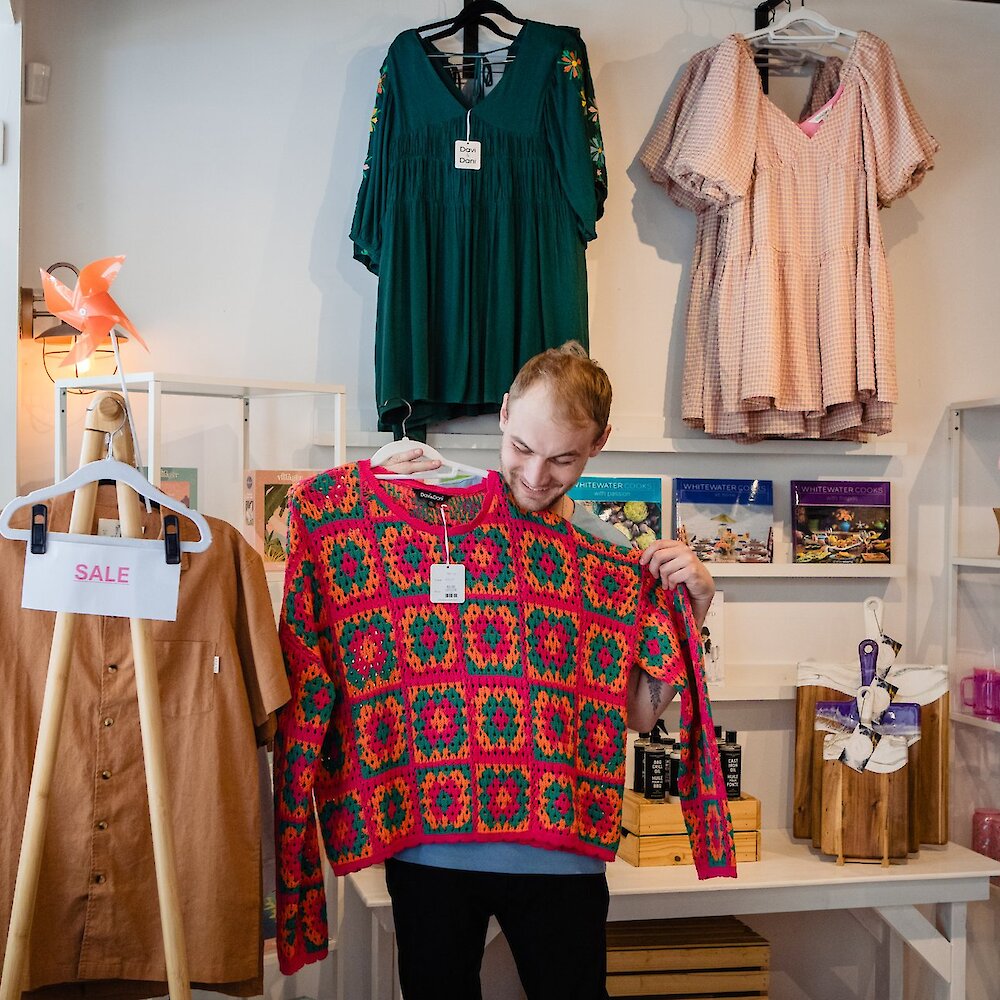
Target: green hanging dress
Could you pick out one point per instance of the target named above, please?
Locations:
(478, 270)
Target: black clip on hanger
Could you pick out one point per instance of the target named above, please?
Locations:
(39, 528)
(172, 538)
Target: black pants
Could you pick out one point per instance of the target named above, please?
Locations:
(554, 925)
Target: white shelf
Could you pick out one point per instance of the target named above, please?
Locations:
(804, 570)
(750, 692)
(157, 384)
(976, 404)
(201, 385)
(974, 562)
(962, 719)
(654, 445)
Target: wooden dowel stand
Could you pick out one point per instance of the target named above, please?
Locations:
(106, 415)
(147, 688)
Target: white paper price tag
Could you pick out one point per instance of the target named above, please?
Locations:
(447, 583)
(91, 579)
(468, 154)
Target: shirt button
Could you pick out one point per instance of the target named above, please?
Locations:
(109, 722)
(102, 824)
(112, 668)
(105, 775)
(100, 878)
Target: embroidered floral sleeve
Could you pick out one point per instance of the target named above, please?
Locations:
(578, 71)
(574, 130)
(366, 231)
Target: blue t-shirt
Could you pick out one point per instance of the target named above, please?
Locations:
(519, 859)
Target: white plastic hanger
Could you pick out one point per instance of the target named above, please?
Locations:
(449, 469)
(822, 33)
(92, 472)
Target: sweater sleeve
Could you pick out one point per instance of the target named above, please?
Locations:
(670, 651)
(302, 725)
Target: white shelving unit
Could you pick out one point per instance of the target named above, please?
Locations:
(649, 444)
(974, 436)
(157, 384)
(798, 571)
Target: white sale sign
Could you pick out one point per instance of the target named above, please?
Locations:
(122, 581)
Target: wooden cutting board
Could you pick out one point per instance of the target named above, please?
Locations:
(923, 800)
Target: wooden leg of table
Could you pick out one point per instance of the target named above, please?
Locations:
(383, 968)
(951, 920)
(896, 959)
(943, 950)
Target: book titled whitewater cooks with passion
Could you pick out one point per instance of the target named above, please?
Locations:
(726, 520)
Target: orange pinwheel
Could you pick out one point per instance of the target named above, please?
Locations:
(88, 307)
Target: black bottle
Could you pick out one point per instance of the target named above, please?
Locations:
(675, 767)
(638, 760)
(655, 768)
(731, 758)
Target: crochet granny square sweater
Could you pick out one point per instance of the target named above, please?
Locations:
(498, 718)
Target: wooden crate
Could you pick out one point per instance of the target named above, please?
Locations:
(706, 957)
(653, 833)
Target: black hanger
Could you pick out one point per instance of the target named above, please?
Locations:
(471, 15)
(476, 10)
(763, 15)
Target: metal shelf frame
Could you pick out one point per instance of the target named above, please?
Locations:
(157, 384)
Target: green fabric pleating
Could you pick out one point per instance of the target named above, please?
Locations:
(478, 269)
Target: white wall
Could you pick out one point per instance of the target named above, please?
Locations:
(10, 197)
(219, 146)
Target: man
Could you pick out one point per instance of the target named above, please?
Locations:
(551, 905)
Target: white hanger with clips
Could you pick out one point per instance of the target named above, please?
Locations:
(449, 468)
(92, 472)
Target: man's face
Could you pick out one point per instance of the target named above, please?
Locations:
(541, 455)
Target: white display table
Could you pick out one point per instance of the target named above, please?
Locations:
(789, 877)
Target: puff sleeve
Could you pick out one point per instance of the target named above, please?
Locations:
(705, 144)
(898, 147)
(655, 154)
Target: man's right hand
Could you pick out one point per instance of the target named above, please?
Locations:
(410, 463)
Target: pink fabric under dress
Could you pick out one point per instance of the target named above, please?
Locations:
(790, 320)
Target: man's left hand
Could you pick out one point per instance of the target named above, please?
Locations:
(674, 563)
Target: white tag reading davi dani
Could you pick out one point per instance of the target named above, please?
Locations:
(447, 583)
(468, 154)
(92, 579)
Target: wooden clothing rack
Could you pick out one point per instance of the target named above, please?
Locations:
(105, 417)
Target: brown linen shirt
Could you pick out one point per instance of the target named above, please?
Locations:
(96, 923)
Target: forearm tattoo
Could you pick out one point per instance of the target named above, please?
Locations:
(655, 690)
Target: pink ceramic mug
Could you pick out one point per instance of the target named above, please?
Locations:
(985, 698)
